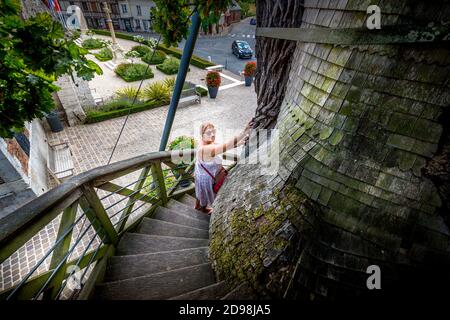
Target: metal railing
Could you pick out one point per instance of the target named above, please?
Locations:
(90, 211)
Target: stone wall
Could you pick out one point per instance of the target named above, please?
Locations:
(358, 125)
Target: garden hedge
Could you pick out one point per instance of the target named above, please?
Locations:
(98, 115)
(195, 60)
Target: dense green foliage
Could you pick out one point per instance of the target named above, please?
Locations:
(133, 71)
(169, 66)
(143, 50)
(104, 55)
(33, 54)
(93, 43)
(203, 92)
(154, 58)
(171, 18)
(157, 91)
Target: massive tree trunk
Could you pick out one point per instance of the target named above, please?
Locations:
(363, 171)
(274, 57)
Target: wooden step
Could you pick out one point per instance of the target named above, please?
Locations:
(157, 286)
(164, 228)
(211, 292)
(125, 267)
(188, 200)
(137, 243)
(169, 215)
(186, 210)
(241, 292)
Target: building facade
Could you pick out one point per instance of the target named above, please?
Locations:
(127, 15)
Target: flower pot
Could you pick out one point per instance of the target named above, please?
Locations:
(54, 122)
(213, 92)
(248, 81)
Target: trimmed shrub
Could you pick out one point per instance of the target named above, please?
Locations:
(142, 50)
(104, 55)
(169, 66)
(157, 58)
(118, 109)
(203, 92)
(93, 43)
(134, 71)
(195, 60)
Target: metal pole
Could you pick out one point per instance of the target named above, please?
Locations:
(181, 76)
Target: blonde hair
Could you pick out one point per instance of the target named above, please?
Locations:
(204, 126)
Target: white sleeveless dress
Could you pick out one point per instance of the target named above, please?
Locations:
(204, 182)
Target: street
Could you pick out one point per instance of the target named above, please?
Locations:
(219, 47)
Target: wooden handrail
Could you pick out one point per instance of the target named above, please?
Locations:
(23, 217)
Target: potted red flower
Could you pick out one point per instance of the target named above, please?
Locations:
(213, 83)
(249, 72)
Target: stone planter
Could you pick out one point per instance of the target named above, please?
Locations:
(248, 81)
(213, 92)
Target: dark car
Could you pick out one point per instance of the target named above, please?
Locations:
(253, 21)
(241, 49)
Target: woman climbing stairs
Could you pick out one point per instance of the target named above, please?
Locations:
(166, 258)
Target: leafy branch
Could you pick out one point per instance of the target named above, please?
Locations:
(33, 54)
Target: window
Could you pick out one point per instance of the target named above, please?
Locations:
(94, 7)
(114, 8)
(139, 11)
(137, 24)
(124, 8)
(85, 6)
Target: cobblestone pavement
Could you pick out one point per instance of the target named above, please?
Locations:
(92, 144)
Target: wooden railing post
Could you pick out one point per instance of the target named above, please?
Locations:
(100, 213)
(58, 257)
(158, 180)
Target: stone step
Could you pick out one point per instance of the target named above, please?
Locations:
(211, 292)
(157, 286)
(186, 210)
(165, 214)
(125, 267)
(188, 200)
(164, 228)
(137, 243)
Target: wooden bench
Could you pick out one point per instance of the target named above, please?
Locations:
(59, 161)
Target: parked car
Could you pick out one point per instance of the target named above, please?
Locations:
(241, 49)
(253, 21)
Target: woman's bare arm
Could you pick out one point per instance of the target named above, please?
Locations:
(213, 150)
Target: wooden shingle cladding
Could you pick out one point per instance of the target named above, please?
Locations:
(358, 127)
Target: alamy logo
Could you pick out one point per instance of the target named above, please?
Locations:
(73, 21)
(374, 280)
(74, 279)
(374, 20)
